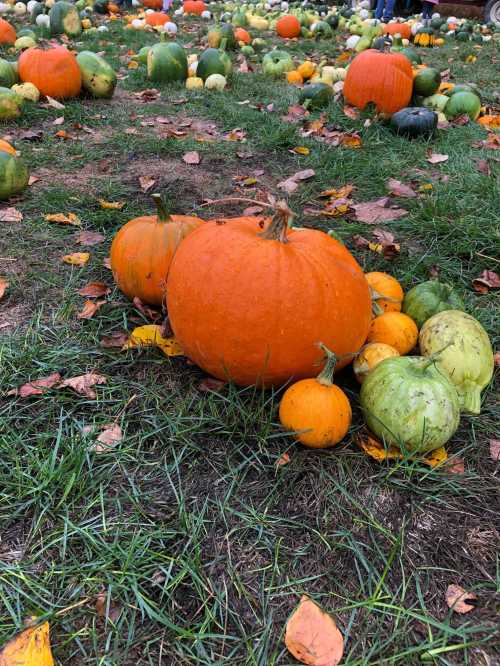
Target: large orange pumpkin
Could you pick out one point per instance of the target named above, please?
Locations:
(384, 79)
(7, 32)
(194, 7)
(288, 26)
(142, 251)
(157, 18)
(152, 4)
(403, 29)
(52, 69)
(252, 305)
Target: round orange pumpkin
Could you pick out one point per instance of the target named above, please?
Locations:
(251, 305)
(152, 4)
(52, 69)
(384, 79)
(196, 7)
(142, 251)
(7, 32)
(157, 18)
(394, 329)
(5, 147)
(317, 410)
(369, 357)
(387, 293)
(403, 29)
(288, 26)
(242, 35)
(295, 78)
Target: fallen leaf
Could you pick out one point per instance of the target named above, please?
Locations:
(399, 189)
(110, 436)
(31, 135)
(107, 609)
(76, 258)
(386, 245)
(236, 134)
(341, 192)
(291, 184)
(30, 647)
(150, 336)
(425, 187)
(436, 158)
(82, 384)
(133, 64)
(284, 459)
(191, 158)
(3, 286)
(32, 180)
(350, 140)
(486, 281)
(54, 103)
(106, 262)
(495, 449)
(312, 636)
(492, 142)
(148, 95)
(89, 238)
(10, 215)
(490, 120)
(211, 385)
(496, 359)
(376, 450)
(111, 205)
(58, 121)
(61, 218)
(351, 112)
(483, 167)
(294, 114)
(455, 466)
(457, 598)
(300, 150)
(378, 211)
(253, 210)
(36, 387)
(114, 340)
(89, 309)
(94, 290)
(149, 313)
(146, 183)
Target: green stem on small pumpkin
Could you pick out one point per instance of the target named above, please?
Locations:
(434, 357)
(325, 377)
(278, 227)
(161, 207)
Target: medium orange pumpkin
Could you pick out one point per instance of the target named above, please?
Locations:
(295, 78)
(52, 69)
(242, 35)
(157, 18)
(403, 29)
(317, 410)
(5, 147)
(152, 4)
(288, 26)
(7, 32)
(196, 7)
(395, 329)
(384, 285)
(250, 305)
(369, 357)
(142, 251)
(384, 79)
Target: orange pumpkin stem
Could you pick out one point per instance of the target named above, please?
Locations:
(163, 214)
(325, 377)
(278, 227)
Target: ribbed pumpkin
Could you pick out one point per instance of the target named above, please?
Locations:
(387, 293)
(7, 32)
(157, 18)
(196, 7)
(403, 29)
(52, 69)
(316, 409)
(424, 37)
(288, 26)
(395, 329)
(251, 305)
(142, 251)
(384, 79)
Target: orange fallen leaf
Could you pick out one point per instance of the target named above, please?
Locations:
(351, 140)
(76, 258)
(111, 205)
(312, 636)
(486, 281)
(300, 150)
(492, 121)
(94, 290)
(351, 112)
(31, 647)
(133, 64)
(284, 459)
(110, 436)
(83, 384)
(340, 193)
(376, 450)
(457, 598)
(37, 386)
(3, 286)
(89, 309)
(61, 218)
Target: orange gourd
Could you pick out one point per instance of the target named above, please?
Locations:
(196, 7)
(52, 69)
(248, 299)
(395, 329)
(7, 32)
(306, 69)
(369, 357)
(142, 251)
(387, 293)
(384, 79)
(316, 410)
(403, 29)
(152, 4)
(157, 18)
(242, 35)
(5, 147)
(288, 26)
(294, 77)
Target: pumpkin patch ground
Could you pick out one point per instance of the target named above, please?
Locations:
(153, 513)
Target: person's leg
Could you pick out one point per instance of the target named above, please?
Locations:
(427, 10)
(379, 10)
(389, 9)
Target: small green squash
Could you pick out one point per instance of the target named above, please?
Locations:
(98, 77)
(65, 19)
(413, 122)
(428, 298)
(213, 61)
(167, 63)
(14, 175)
(463, 103)
(316, 95)
(426, 81)
(8, 75)
(10, 104)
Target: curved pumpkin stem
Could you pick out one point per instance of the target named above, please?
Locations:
(163, 214)
(433, 358)
(325, 377)
(278, 228)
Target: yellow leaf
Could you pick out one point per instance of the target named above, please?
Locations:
(111, 205)
(61, 218)
(436, 457)
(376, 247)
(337, 211)
(150, 336)
(340, 193)
(133, 64)
(378, 452)
(31, 647)
(426, 187)
(249, 181)
(301, 150)
(77, 258)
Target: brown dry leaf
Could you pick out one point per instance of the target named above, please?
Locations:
(149, 313)
(83, 384)
(291, 184)
(486, 281)
(483, 167)
(237, 134)
(312, 636)
(76, 258)
(10, 215)
(94, 290)
(386, 244)
(111, 205)
(211, 385)
(89, 309)
(111, 610)
(295, 112)
(378, 211)
(146, 183)
(455, 466)
(54, 103)
(3, 286)
(110, 436)
(300, 150)
(32, 180)
(30, 647)
(148, 95)
(436, 158)
(284, 459)
(457, 598)
(61, 218)
(351, 112)
(116, 339)
(36, 387)
(495, 449)
(58, 121)
(191, 158)
(89, 238)
(106, 262)
(399, 189)
(253, 210)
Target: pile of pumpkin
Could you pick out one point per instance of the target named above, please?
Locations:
(259, 302)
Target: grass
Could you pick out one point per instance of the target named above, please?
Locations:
(200, 543)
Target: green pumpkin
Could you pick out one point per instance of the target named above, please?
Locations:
(414, 122)
(321, 29)
(167, 63)
(65, 19)
(315, 95)
(435, 102)
(333, 21)
(14, 175)
(436, 23)
(382, 43)
(426, 81)
(142, 56)
(26, 32)
(240, 20)
(408, 403)
(462, 36)
(464, 87)
(429, 298)
(10, 104)
(221, 32)
(213, 61)
(98, 77)
(463, 103)
(412, 55)
(8, 75)
(36, 10)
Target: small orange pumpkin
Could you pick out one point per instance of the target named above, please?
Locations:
(7, 32)
(157, 18)
(395, 329)
(196, 7)
(294, 77)
(288, 26)
(306, 69)
(369, 357)
(113, 8)
(387, 293)
(403, 29)
(242, 35)
(52, 69)
(5, 147)
(316, 410)
(142, 251)
(152, 4)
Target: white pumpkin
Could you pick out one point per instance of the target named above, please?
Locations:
(436, 15)
(103, 28)
(284, 6)
(170, 28)
(364, 13)
(364, 4)
(31, 4)
(352, 41)
(206, 15)
(149, 11)
(216, 82)
(4, 8)
(43, 20)
(137, 24)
